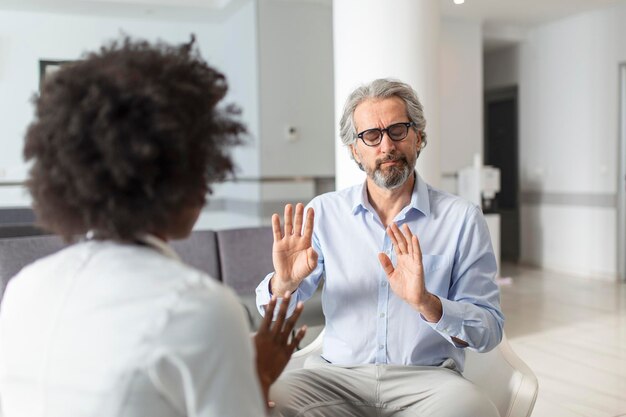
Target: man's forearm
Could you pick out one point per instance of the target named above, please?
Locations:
(277, 287)
(432, 309)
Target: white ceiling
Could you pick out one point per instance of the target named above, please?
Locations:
(504, 21)
(148, 9)
(524, 13)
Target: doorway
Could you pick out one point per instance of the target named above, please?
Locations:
(501, 151)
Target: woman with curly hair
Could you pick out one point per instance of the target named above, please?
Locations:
(122, 149)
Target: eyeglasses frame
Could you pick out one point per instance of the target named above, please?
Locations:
(386, 130)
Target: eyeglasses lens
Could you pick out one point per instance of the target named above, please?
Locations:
(398, 131)
(372, 136)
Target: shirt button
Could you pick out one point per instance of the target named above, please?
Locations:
(382, 315)
(381, 347)
(383, 284)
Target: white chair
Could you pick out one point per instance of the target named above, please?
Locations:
(501, 374)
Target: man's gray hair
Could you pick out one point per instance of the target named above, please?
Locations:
(380, 89)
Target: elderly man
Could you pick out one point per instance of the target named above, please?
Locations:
(409, 278)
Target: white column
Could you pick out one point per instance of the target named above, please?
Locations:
(387, 38)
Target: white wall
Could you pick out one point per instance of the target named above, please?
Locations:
(27, 37)
(568, 99)
(238, 55)
(238, 59)
(461, 96)
(277, 56)
(296, 88)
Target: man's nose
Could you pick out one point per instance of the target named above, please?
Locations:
(386, 144)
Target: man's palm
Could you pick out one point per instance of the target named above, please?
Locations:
(292, 253)
(407, 278)
(292, 258)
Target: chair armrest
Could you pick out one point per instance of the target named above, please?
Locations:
(300, 356)
(508, 382)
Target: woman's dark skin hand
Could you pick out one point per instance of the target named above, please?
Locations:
(273, 348)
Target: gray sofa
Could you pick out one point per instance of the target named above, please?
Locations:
(239, 258)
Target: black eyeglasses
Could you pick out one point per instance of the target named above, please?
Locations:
(396, 132)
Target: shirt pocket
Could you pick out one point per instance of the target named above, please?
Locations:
(437, 272)
(434, 262)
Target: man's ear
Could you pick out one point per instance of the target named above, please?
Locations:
(355, 155)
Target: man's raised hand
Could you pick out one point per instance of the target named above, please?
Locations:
(407, 278)
(292, 254)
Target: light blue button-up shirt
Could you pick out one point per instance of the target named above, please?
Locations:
(365, 321)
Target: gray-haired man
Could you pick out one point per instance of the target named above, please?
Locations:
(409, 278)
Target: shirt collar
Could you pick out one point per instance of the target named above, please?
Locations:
(159, 245)
(419, 197)
(359, 198)
(150, 240)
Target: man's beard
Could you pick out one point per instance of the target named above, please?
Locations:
(393, 176)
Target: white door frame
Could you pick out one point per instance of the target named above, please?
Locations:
(621, 180)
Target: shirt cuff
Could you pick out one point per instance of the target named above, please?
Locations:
(451, 322)
(263, 297)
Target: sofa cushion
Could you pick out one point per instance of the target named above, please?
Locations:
(17, 252)
(200, 251)
(21, 229)
(245, 257)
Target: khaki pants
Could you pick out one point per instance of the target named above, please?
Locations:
(326, 390)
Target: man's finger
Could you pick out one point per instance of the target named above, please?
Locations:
(417, 249)
(311, 258)
(386, 263)
(308, 225)
(297, 230)
(288, 219)
(398, 239)
(276, 227)
(409, 238)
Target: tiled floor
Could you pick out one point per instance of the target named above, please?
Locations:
(572, 333)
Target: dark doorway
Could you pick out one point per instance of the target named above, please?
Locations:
(501, 151)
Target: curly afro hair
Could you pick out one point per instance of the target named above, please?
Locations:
(126, 138)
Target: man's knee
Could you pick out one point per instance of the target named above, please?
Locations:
(284, 392)
(317, 392)
(291, 393)
(464, 399)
